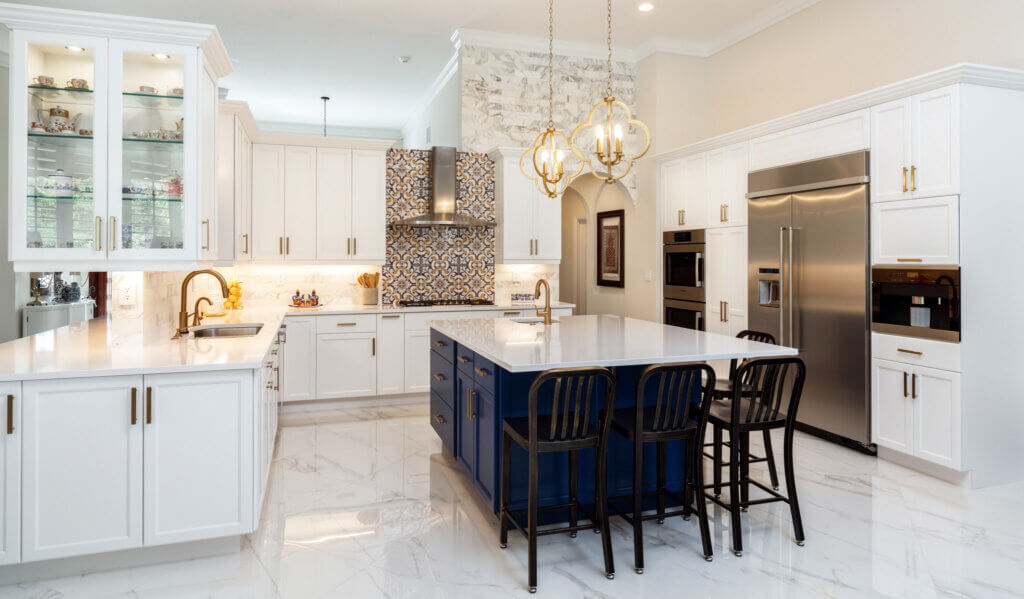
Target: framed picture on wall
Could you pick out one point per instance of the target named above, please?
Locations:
(611, 251)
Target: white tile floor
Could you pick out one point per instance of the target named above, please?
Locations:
(363, 504)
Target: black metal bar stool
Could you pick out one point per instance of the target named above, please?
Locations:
(759, 405)
(675, 416)
(569, 427)
(723, 390)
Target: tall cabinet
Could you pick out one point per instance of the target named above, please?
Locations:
(529, 228)
(113, 141)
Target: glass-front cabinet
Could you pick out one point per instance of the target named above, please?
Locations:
(108, 153)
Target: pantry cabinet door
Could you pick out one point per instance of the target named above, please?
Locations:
(300, 203)
(82, 466)
(936, 400)
(891, 409)
(297, 375)
(936, 143)
(198, 456)
(10, 475)
(670, 182)
(716, 279)
(333, 204)
(695, 190)
(346, 365)
(267, 202)
(890, 151)
(734, 185)
(715, 188)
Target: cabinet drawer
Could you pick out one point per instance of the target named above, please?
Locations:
(464, 358)
(484, 373)
(912, 350)
(347, 323)
(442, 345)
(442, 418)
(442, 378)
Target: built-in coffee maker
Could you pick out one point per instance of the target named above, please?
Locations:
(922, 301)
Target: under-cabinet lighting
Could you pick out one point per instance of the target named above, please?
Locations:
(74, 48)
(161, 56)
(645, 7)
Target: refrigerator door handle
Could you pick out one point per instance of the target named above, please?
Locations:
(782, 286)
(792, 340)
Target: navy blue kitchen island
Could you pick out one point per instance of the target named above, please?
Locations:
(481, 371)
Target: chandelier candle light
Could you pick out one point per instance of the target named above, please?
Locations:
(608, 136)
(549, 150)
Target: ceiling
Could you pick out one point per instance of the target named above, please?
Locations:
(288, 54)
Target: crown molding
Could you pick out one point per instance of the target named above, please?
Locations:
(451, 68)
(969, 73)
(529, 43)
(671, 45)
(756, 24)
(38, 18)
(301, 134)
(241, 110)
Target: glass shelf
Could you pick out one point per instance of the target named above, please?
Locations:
(57, 136)
(135, 197)
(78, 195)
(151, 141)
(141, 100)
(62, 95)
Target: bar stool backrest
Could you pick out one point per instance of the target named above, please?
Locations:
(573, 400)
(674, 406)
(760, 387)
(753, 336)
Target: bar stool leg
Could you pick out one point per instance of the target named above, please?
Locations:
(744, 442)
(697, 461)
(734, 493)
(638, 497)
(770, 456)
(794, 505)
(573, 489)
(602, 502)
(716, 461)
(506, 492)
(687, 486)
(660, 497)
(532, 525)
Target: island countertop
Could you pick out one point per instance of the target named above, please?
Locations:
(596, 340)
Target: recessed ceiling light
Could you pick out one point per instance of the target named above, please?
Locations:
(74, 48)
(161, 56)
(645, 7)
(404, 59)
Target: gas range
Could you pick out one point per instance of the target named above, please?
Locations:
(444, 302)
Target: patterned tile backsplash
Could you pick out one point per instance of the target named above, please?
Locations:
(438, 262)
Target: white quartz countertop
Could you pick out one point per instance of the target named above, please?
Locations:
(596, 340)
(336, 309)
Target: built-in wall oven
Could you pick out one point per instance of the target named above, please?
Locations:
(684, 279)
(922, 301)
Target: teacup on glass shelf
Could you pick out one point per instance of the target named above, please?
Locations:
(176, 91)
(78, 84)
(43, 81)
(147, 89)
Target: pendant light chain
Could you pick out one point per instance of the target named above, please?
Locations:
(608, 89)
(551, 61)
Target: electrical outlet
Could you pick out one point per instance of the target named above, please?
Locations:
(648, 275)
(126, 295)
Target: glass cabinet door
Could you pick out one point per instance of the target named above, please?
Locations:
(152, 158)
(59, 147)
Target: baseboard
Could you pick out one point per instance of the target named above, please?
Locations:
(374, 401)
(126, 558)
(956, 477)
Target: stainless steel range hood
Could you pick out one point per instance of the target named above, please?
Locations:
(442, 206)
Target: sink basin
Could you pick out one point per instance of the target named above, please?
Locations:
(245, 329)
(533, 320)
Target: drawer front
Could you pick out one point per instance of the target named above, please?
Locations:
(464, 358)
(912, 350)
(442, 418)
(484, 373)
(442, 378)
(442, 345)
(418, 321)
(346, 323)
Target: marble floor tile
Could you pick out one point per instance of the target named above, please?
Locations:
(363, 503)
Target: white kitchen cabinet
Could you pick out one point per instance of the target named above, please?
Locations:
(210, 202)
(725, 276)
(391, 349)
(267, 202)
(82, 449)
(417, 361)
(297, 378)
(693, 202)
(369, 200)
(916, 410)
(918, 231)
(727, 187)
(197, 456)
(670, 186)
(10, 476)
(334, 203)
(243, 195)
(529, 229)
(234, 162)
(840, 134)
(300, 218)
(346, 365)
(915, 146)
(129, 184)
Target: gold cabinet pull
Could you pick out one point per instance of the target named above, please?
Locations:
(512, 313)
(905, 394)
(481, 372)
(149, 405)
(913, 178)
(245, 243)
(725, 311)
(135, 414)
(206, 233)
(346, 324)
(909, 260)
(439, 343)
(682, 216)
(469, 404)
(355, 246)
(440, 377)
(277, 378)
(439, 419)
(287, 245)
(462, 359)
(904, 179)
(391, 316)
(373, 346)
(99, 234)
(913, 386)
(280, 245)
(10, 413)
(348, 246)
(112, 237)
(910, 351)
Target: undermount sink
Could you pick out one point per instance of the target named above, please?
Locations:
(533, 320)
(245, 329)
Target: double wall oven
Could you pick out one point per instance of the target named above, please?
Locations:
(684, 279)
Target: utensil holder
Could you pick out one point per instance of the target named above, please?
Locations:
(368, 296)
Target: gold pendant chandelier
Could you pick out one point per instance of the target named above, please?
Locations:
(550, 149)
(613, 121)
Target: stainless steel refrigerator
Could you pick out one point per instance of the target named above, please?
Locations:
(809, 284)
